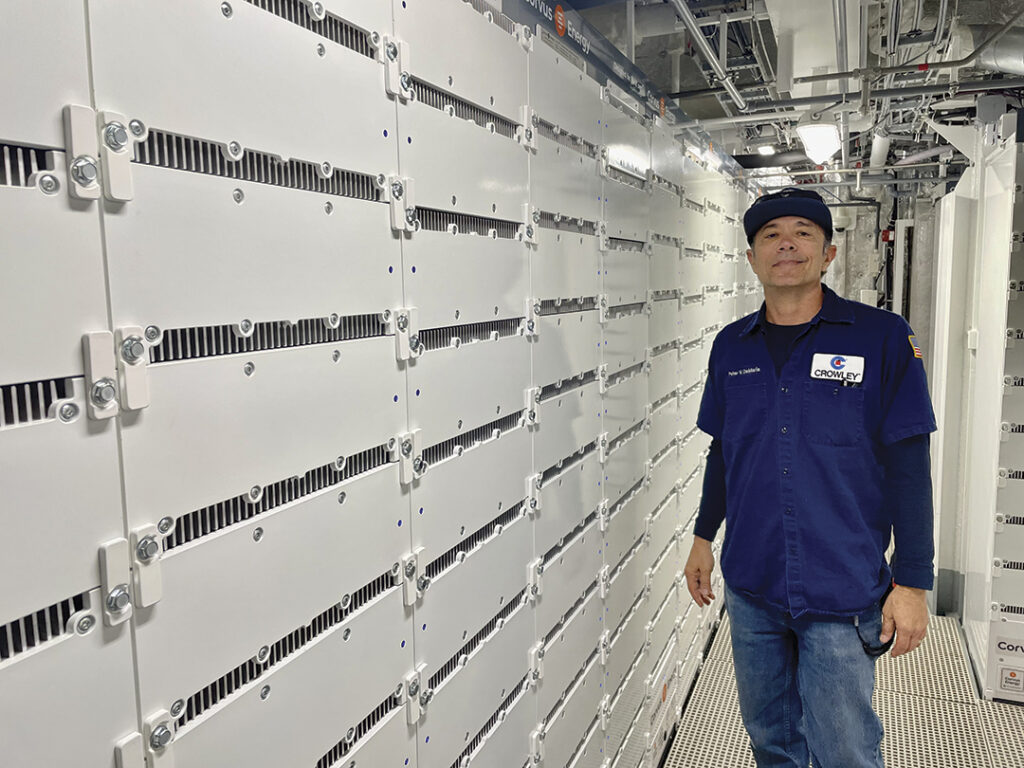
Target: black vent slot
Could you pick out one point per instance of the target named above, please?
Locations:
(669, 186)
(569, 461)
(447, 102)
(441, 564)
(622, 244)
(626, 558)
(491, 723)
(343, 747)
(562, 386)
(474, 642)
(625, 178)
(334, 29)
(576, 143)
(40, 627)
(251, 670)
(625, 310)
(661, 454)
(484, 8)
(627, 497)
(1016, 610)
(434, 220)
(453, 445)
(183, 153)
(441, 338)
(29, 402)
(217, 340)
(664, 400)
(568, 223)
(550, 637)
(666, 347)
(564, 306)
(1015, 520)
(626, 373)
(667, 294)
(17, 164)
(223, 514)
(558, 549)
(626, 436)
(1013, 565)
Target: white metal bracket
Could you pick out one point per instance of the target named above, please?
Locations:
(100, 374)
(82, 153)
(603, 161)
(404, 323)
(602, 309)
(414, 584)
(115, 581)
(605, 711)
(530, 318)
(128, 752)
(531, 222)
(537, 661)
(416, 698)
(537, 747)
(158, 740)
(603, 581)
(115, 156)
(524, 34)
(146, 549)
(602, 515)
(526, 133)
(534, 577)
(533, 488)
(400, 194)
(603, 243)
(531, 405)
(648, 414)
(132, 353)
(602, 447)
(604, 647)
(602, 378)
(648, 472)
(394, 55)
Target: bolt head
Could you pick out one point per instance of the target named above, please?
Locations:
(536, 120)
(391, 50)
(115, 136)
(414, 688)
(68, 412)
(48, 183)
(103, 392)
(152, 333)
(177, 708)
(132, 349)
(148, 548)
(257, 534)
(529, 134)
(265, 693)
(160, 737)
(263, 654)
(402, 322)
(165, 524)
(118, 599)
(407, 448)
(85, 624)
(225, 8)
(419, 465)
(255, 492)
(540, 654)
(406, 81)
(529, 231)
(410, 569)
(234, 148)
(249, 369)
(137, 127)
(84, 171)
(350, 735)
(410, 215)
(328, 207)
(533, 503)
(422, 583)
(238, 196)
(326, 167)
(397, 190)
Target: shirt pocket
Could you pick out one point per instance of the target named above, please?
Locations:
(832, 414)
(745, 409)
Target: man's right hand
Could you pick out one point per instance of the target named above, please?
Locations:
(699, 566)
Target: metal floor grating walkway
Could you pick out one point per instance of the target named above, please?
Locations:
(926, 700)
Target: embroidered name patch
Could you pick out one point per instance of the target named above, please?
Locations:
(838, 368)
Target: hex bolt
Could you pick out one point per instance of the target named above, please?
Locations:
(398, 691)
(265, 693)
(238, 196)
(529, 231)
(49, 183)
(132, 349)
(529, 134)
(530, 325)
(225, 8)
(234, 148)
(326, 169)
(422, 583)
(68, 412)
(540, 653)
(318, 10)
(419, 465)
(85, 624)
(410, 215)
(346, 601)
(405, 81)
(391, 50)
(402, 322)
(249, 369)
(537, 483)
(336, 355)
(137, 127)
(414, 688)
(115, 136)
(350, 735)
(414, 343)
(177, 708)
(152, 333)
(375, 38)
(147, 549)
(536, 217)
(533, 503)
(532, 416)
(410, 569)
(536, 307)
(535, 590)
(257, 534)
(397, 190)
(407, 448)
(328, 207)
(536, 674)
(84, 171)
(118, 599)
(540, 569)
(320, 50)
(165, 524)
(263, 654)
(161, 735)
(426, 696)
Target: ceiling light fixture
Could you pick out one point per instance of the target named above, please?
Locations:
(819, 135)
(766, 149)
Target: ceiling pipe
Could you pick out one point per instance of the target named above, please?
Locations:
(842, 62)
(880, 142)
(895, 8)
(925, 154)
(708, 52)
(871, 181)
(958, 63)
(940, 22)
(1006, 55)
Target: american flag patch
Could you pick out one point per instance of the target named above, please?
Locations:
(913, 346)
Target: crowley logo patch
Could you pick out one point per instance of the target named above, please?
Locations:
(847, 368)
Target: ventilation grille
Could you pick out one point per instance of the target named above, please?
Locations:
(558, 549)
(668, 346)
(499, 19)
(26, 403)
(223, 514)
(625, 310)
(1013, 610)
(1015, 520)
(626, 558)
(665, 400)
(447, 102)
(626, 373)
(569, 462)
(491, 723)
(474, 642)
(182, 153)
(625, 178)
(563, 386)
(664, 452)
(666, 294)
(627, 497)
(229, 684)
(343, 747)
(693, 253)
(560, 701)
(441, 338)
(216, 340)
(1013, 565)
(693, 205)
(669, 186)
(454, 555)
(626, 436)
(17, 164)
(576, 143)
(621, 244)
(333, 28)
(38, 628)
(564, 306)
(434, 220)
(445, 450)
(568, 223)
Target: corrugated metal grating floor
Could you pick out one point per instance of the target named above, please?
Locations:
(926, 700)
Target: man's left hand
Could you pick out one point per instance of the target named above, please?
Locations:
(905, 613)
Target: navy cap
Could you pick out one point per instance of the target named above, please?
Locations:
(791, 201)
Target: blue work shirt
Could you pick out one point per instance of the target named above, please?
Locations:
(807, 524)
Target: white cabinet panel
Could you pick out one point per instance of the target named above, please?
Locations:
(564, 180)
(565, 265)
(562, 95)
(566, 345)
(625, 276)
(567, 651)
(570, 721)
(626, 341)
(568, 422)
(625, 404)
(567, 576)
(566, 500)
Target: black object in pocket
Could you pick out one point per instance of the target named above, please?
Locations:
(869, 629)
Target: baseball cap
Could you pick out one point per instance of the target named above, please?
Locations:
(791, 201)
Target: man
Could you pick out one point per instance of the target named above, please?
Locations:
(819, 413)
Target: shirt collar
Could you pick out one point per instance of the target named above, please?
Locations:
(834, 309)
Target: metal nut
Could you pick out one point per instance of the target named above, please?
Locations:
(85, 624)
(68, 412)
(132, 349)
(152, 333)
(115, 136)
(161, 735)
(84, 171)
(119, 599)
(148, 548)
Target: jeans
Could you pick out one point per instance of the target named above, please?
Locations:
(805, 685)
